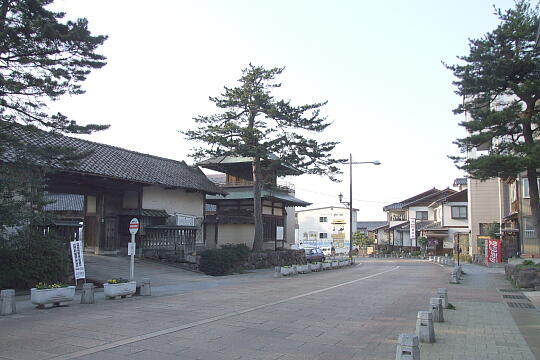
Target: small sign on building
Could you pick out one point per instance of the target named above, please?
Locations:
(78, 260)
(412, 228)
(279, 233)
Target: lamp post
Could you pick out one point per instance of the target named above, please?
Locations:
(349, 204)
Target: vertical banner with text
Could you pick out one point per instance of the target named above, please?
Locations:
(494, 254)
(78, 260)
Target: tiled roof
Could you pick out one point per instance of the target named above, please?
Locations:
(370, 225)
(110, 161)
(427, 197)
(64, 202)
(460, 181)
(144, 212)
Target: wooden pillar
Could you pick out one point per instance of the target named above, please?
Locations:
(100, 231)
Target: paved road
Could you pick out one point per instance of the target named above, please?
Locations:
(352, 313)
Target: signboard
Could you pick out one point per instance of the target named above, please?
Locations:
(493, 248)
(133, 226)
(131, 248)
(279, 232)
(338, 236)
(185, 220)
(412, 228)
(78, 260)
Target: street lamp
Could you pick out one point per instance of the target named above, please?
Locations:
(349, 203)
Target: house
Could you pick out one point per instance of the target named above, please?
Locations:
(518, 234)
(325, 227)
(167, 196)
(450, 229)
(417, 207)
(230, 219)
(68, 215)
(367, 228)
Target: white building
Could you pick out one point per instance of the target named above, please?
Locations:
(325, 227)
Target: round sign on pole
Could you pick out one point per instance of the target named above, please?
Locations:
(133, 226)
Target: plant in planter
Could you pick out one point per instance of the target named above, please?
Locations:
(117, 288)
(55, 294)
(326, 265)
(286, 270)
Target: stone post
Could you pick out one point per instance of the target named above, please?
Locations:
(454, 278)
(407, 347)
(7, 302)
(145, 287)
(437, 309)
(424, 327)
(277, 271)
(431, 258)
(87, 295)
(443, 294)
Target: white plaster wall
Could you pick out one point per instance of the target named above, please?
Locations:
(236, 234)
(448, 221)
(290, 226)
(483, 206)
(414, 209)
(173, 201)
(382, 237)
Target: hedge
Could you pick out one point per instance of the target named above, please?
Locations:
(224, 260)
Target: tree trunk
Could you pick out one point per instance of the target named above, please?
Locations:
(257, 206)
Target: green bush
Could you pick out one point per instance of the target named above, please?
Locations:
(225, 260)
(528, 264)
(30, 257)
(416, 253)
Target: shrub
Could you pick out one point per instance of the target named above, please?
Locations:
(30, 257)
(528, 264)
(416, 253)
(225, 260)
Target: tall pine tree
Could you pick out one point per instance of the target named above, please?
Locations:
(500, 83)
(252, 123)
(42, 58)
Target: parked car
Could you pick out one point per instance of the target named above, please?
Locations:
(314, 254)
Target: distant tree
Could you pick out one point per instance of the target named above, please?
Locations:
(41, 59)
(361, 240)
(500, 83)
(254, 124)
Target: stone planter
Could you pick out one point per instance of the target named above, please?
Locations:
(315, 266)
(302, 269)
(116, 291)
(54, 297)
(286, 271)
(343, 263)
(335, 264)
(326, 265)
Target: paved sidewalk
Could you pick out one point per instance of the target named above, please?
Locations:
(483, 325)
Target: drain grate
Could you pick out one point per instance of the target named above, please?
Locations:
(515, 297)
(509, 290)
(520, 305)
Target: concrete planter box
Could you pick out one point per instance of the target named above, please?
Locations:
(56, 297)
(116, 291)
(302, 269)
(286, 271)
(335, 264)
(326, 265)
(343, 263)
(315, 266)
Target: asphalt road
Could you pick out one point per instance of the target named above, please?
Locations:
(350, 313)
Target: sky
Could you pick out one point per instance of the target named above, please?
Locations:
(377, 63)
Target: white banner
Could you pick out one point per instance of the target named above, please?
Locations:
(279, 233)
(131, 248)
(78, 260)
(412, 228)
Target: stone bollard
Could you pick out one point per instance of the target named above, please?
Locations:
(145, 287)
(407, 347)
(7, 302)
(443, 294)
(437, 309)
(454, 278)
(87, 295)
(277, 271)
(431, 258)
(424, 327)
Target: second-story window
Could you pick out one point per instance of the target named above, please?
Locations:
(323, 219)
(459, 212)
(421, 215)
(323, 235)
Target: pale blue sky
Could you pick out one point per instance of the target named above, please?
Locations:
(378, 63)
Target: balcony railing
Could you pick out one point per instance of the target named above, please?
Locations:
(530, 234)
(282, 185)
(398, 217)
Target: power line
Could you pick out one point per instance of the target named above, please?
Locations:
(334, 196)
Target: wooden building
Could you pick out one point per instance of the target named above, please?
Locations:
(229, 219)
(167, 196)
